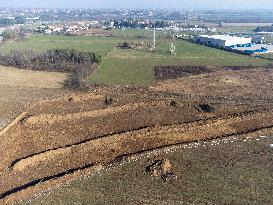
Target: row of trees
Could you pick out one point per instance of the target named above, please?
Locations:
(136, 24)
(14, 34)
(264, 29)
(60, 60)
(16, 20)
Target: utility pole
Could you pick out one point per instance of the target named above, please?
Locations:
(154, 38)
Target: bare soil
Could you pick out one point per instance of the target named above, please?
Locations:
(238, 86)
(55, 138)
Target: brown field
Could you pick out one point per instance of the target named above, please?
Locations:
(13, 77)
(58, 139)
(238, 86)
(20, 88)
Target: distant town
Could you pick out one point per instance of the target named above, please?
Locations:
(136, 106)
(184, 24)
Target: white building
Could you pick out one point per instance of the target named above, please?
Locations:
(223, 40)
(48, 31)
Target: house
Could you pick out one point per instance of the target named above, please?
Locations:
(48, 31)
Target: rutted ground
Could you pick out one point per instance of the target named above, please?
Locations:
(59, 137)
(39, 147)
(232, 170)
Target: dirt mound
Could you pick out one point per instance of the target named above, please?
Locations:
(51, 119)
(160, 168)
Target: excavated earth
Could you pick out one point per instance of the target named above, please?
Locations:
(58, 137)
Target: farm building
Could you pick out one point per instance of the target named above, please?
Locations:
(223, 40)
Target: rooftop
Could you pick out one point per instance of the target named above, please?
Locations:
(223, 37)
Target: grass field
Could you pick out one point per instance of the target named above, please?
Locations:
(100, 45)
(131, 67)
(136, 67)
(139, 33)
(38, 43)
(235, 29)
(232, 173)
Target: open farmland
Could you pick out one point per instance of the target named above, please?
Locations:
(213, 119)
(126, 67)
(129, 106)
(20, 88)
(56, 141)
(230, 28)
(38, 43)
(133, 67)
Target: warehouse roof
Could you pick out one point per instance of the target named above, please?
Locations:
(222, 37)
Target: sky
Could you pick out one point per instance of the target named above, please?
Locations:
(171, 4)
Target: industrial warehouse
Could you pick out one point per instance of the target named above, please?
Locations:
(245, 45)
(223, 40)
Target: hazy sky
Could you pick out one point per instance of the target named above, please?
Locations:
(183, 4)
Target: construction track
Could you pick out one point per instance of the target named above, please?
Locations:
(59, 137)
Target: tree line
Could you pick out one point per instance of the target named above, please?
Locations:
(130, 23)
(16, 20)
(264, 29)
(78, 64)
(60, 60)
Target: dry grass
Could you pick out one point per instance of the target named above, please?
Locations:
(20, 88)
(14, 77)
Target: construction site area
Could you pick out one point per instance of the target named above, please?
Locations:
(71, 134)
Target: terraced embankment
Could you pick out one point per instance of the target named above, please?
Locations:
(59, 137)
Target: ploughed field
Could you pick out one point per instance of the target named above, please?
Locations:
(63, 137)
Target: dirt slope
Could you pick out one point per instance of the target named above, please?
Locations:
(63, 136)
(41, 145)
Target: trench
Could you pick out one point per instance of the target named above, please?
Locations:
(263, 117)
(117, 159)
(203, 121)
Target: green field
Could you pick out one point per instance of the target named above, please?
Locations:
(133, 67)
(139, 33)
(268, 56)
(236, 29)
(38, 43)
(136, 67)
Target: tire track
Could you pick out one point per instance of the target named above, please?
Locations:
(200, 122)
(107, 149)
(33, 183)
(49, 119)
